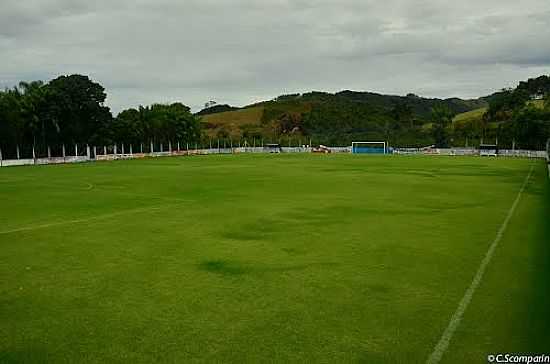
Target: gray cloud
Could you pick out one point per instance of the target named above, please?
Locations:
(240, 51)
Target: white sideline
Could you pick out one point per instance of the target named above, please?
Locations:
(97, 217)
(445, 340)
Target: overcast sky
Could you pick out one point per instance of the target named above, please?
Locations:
(241, 51)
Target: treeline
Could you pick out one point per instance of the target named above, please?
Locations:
(347, 116)
(70, 110)
(517, 118)
(344, 121)
(521, 116)
(513, 117)
(340, 118)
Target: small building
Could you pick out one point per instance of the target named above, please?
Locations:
(272, 148)
(488, 150)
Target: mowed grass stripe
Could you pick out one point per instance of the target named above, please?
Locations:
(447, 335)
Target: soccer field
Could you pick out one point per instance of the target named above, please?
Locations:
(273, 258)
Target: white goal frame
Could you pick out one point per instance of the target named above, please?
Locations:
(354, 144)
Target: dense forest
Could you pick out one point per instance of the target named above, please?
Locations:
(71, 110)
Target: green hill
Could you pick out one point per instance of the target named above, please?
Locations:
(476, 115)
(469, 116)
(330, 117)
(235, 124)
(537, 103)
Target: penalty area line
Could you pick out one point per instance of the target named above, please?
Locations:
(447, 336)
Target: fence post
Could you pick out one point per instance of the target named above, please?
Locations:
(33, 154)
(170, 147)
(49, 152)
(18, 154)
(152, 146)
(122, 148)
(95, 152)
(178, 146)
(76, 150)
(104, 150)
(115, 149)
(88, 152)
(64, 153)
(141, 148)
(131, 150)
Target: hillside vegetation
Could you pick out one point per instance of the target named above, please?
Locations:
(232, 123)
(470, 116)
(340, 118)
(37, 116)
(476, 115)
(517, 117)
(333, 118)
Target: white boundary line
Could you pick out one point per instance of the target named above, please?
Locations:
(445, 340)
(93, 218)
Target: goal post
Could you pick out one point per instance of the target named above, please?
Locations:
(369, 148)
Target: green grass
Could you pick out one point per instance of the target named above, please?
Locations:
(537, 103)
(469, 116)
(248, 116)
(271, 258)
(233, 122)
(477, 114)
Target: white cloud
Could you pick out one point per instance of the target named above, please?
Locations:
(240, 50)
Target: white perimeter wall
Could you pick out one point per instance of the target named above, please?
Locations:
(108, 157)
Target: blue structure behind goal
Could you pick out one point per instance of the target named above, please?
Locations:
(368, 148)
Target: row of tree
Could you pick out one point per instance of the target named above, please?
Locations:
(514, 118)
(521, 116)
(70, 110)
(343, 121)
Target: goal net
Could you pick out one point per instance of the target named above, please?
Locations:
(369, 148)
